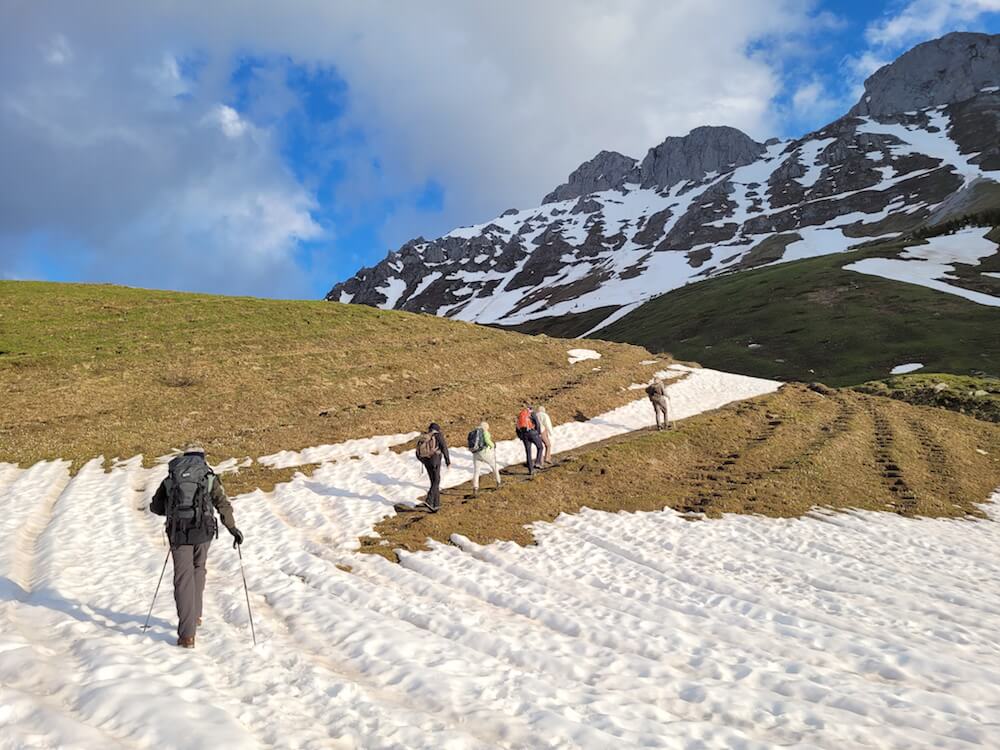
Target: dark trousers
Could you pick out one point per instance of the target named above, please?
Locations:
(532, 438)
(189, 584)
(433, 466)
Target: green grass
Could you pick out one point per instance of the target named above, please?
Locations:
(815, 321)
(89, 370)
(977, 397)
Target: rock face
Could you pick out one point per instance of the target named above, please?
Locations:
(607, 170)
(921, 147)
(942, 71)
(691, 157)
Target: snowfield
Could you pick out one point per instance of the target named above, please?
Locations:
(615, 631)
(933, 264)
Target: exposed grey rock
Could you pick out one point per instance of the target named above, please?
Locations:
(606, 171)
(856, 184)
(691, 157)
(942, 71)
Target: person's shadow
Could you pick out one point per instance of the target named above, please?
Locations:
(123, 622)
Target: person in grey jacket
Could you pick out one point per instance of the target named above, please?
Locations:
(190, 539)
(657, 393)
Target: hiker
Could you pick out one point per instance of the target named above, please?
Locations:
(657, 393)
(528, 432)
(483, 450)
(431, 448)
(187, 498)
(545, 432)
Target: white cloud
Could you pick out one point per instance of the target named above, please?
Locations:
(498, 102)
(920, 20)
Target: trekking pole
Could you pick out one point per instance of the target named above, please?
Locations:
(156, 593)
(239, 549)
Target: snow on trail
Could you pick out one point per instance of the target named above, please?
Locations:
(616, 630)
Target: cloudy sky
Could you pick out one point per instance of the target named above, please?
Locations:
(256, 147)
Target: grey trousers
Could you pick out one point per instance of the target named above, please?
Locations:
(660, 407)
(189, 585)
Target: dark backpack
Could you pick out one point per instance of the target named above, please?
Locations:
(427, 445)
(477, 440)
(654, 390)
(189, 512)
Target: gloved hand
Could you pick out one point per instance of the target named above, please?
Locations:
(237, 536)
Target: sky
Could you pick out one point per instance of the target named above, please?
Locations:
(272, 149)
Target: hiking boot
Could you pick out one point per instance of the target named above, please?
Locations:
(186, 642)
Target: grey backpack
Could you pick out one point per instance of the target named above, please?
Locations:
(189, 491)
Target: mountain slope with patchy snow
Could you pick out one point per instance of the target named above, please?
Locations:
(620, 231)
(615, 630)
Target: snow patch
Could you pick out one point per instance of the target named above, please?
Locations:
(580, 355)
(903, 369)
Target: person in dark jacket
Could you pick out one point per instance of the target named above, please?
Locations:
(530, 432)
(433, 465)
(189, 542)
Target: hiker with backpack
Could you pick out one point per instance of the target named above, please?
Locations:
(431, 449)
(657, 393)
(188, 498)
(545, 432)
(528, 431)
(484, 450)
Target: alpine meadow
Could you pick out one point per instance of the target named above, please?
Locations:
(700, 450)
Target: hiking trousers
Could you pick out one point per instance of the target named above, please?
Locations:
(487, 456)
(660, 409)
(532, 438)
(547, 443)
(433, 466)
(189, 584)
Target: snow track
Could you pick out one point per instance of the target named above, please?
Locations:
(616, 630)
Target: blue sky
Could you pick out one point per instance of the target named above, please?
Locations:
(251, 148)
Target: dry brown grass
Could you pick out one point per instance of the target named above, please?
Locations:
(98, 370)
(778, 455)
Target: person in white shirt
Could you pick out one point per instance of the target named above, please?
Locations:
(545, 425)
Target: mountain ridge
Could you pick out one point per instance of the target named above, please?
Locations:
(620, 231)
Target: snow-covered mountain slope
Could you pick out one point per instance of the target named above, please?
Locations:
(920, 147)
(345, 659)
(934, 264)
(625, 630)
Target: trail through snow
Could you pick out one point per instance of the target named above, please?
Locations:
(616, 630)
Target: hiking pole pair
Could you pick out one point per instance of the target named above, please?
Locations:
(156, 593)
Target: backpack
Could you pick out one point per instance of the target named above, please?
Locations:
(654, 390)
(477, 440)
(188, 508)
(524, 421)
(427, 445)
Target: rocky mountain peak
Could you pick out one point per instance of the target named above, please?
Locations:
(607, 170)
(691, 157)
(941, 71)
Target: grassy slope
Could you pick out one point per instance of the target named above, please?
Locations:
(778, 455)
(978, 397)
(828, 324)
(99, 370)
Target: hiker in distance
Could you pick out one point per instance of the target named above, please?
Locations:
(431, 449)
(545, 432)
(483, 450)
(529, 432)
(189, 497)
(657, 393)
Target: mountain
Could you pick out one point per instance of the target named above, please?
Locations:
(919, 148)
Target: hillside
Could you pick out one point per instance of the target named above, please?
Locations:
(98, 370)
(820, 319)
(779, 456)
(918, 150)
